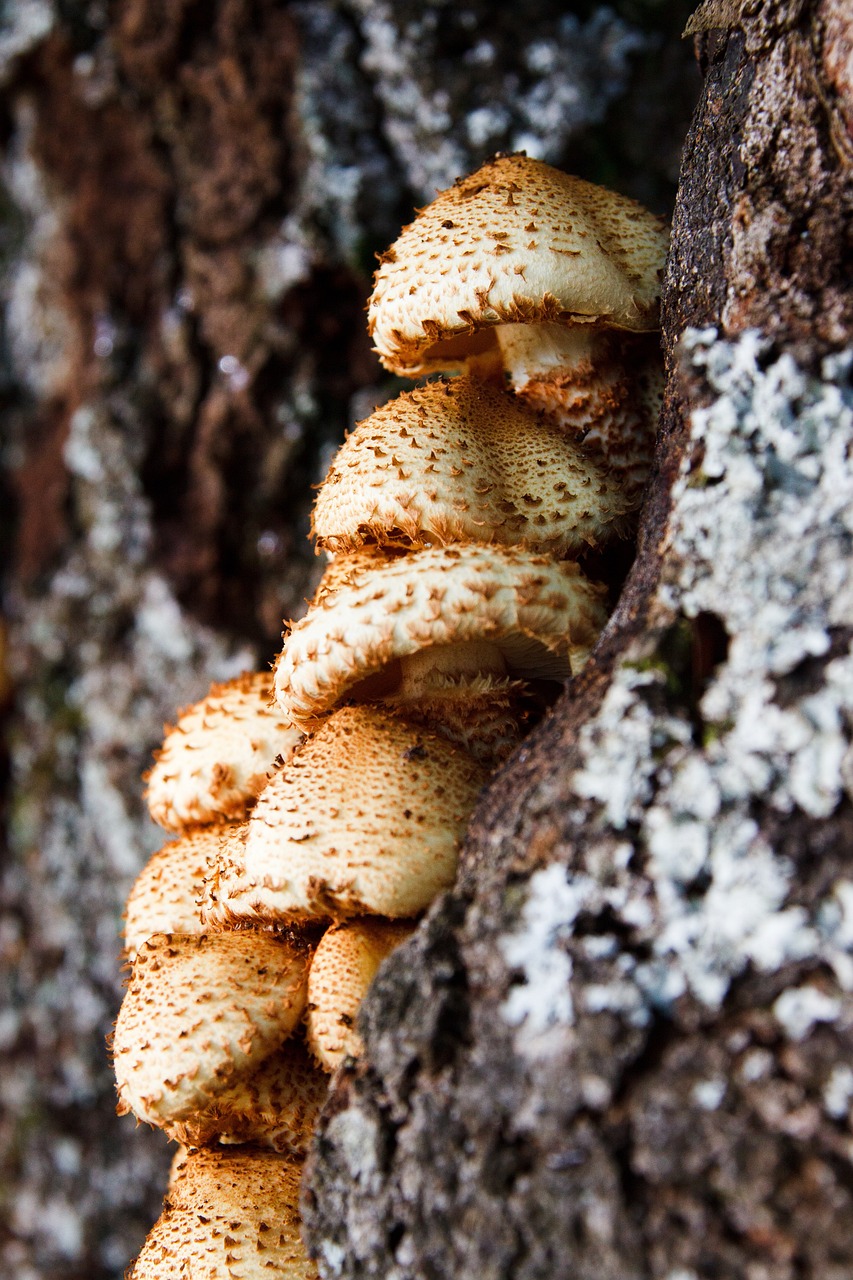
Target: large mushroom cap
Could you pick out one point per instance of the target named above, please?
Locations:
(543, 616)
(199, 1011)
(215, 760)
(274, 1106)
(228, 1215)
(167, 893)
(515, 241)
(463, 461)
(366, 819)
(344, 965)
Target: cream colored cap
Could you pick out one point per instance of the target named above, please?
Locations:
(537, 611)
(229, 1215)
(198, 1012)
(463, 461)
(366, 819)
(274, 1106)
(168, 890)
(343, 967)
(221, 752)
(515, 241)
(484, 715)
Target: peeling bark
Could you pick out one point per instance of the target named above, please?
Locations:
(621, 1047)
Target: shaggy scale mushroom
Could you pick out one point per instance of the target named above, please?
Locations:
(215, 760)
(166, 895)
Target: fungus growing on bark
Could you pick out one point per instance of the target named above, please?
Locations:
(464, 461)
(199, 1011)
(439, 613)
(228, 1213)
(215, 760)
(342, 968)
(524, 270)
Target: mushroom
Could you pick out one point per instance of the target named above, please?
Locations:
(463, 461)
(215, 760)
(343, 967)
(166, 894)
(366, 819)
(200, 1011)
(412, 623)
(228, 1214)
(524, 269)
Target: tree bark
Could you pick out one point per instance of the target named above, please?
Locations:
(620, 1048)
(192, 197)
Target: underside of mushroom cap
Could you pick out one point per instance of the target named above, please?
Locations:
(199, 1011)
(538, 612)
(516, 241)
(463, 461)
(229, 1215)
(166, 895)
(217, 758)
(484, 715)
(366, 819)
(276, 1105)
(343, 967)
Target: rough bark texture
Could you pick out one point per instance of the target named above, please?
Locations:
(620, 1049)
(192, 197)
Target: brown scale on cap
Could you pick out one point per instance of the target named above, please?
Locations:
(366, 819)
(343, 967)
(168, 890)
(463, 461)
(215, 760)
(465, 609)
(199, 1012)
(228, 1215)
(274, 1106)
(522, 269)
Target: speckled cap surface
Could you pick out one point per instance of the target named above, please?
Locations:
(463, 461)
(274, 1106)
(515, 241)
(538, 611)
(165, 897)
(229, 1215)
(343, 967)
(215, 760)
(198, 1012)
(366, 819)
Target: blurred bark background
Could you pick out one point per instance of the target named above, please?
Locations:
(192, 197)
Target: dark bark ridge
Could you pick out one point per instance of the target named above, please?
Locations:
(621, 1047)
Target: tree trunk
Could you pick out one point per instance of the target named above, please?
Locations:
(620, 1050)
(192, 197)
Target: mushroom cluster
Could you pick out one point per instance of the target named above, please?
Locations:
(319, 811)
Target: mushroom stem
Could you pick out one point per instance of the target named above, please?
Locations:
(471, 658)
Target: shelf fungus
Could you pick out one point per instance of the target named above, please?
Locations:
(331, 796)
(523, 272)
(217, 757)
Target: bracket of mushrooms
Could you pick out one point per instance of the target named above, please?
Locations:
(316, 813)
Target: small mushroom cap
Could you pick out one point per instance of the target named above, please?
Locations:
(463, 461)
(274, 1106)
(515, 241)
(366, 819)
(168, 890)
(484, 715)
(221, 752)
(344, 965)
(229, 1215)
(538, 611)
(200, 1011)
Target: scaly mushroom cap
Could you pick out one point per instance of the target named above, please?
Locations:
(221, 752)
(344, 965)
(484, 715)
(542, 615)
(274, 1106)
(463, 461)
(229, 1215)
(199, 1012)
(168, 890)
(366, 819)
(517, 241)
